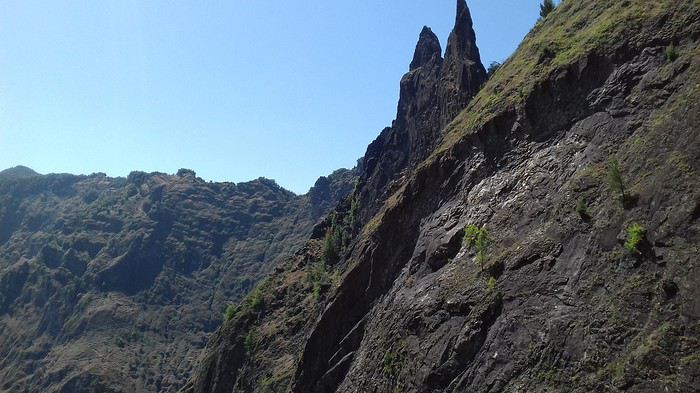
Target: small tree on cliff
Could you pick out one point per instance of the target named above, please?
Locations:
(477, 238)
(546, 7)
(493, 67)
(615, 180)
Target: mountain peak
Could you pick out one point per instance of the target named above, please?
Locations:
(462, 73)
(427, 48)
(462, 40)
(17, 172)
(461, 9)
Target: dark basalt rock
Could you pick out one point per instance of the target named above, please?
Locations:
(431, 94)
(428, 50)
(557, 304)
(329, 189)
(462, 72)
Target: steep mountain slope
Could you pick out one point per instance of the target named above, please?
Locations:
(573, 174)
(113, 284)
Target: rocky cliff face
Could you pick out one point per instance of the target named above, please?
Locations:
(546, 241)
(114, 285)
(431, 94)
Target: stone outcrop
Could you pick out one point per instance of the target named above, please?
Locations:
(559, 299)
(431, 94)
(572, 285)
(462, 72)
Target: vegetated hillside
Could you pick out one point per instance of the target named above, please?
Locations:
(547, 243)
(114, 285)
(17, 172)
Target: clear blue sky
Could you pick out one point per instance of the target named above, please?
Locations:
(234, 90)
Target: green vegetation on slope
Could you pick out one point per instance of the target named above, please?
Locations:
(582, 27)
(635, 235)
(546, 7)
(478, 239)
(617, 185)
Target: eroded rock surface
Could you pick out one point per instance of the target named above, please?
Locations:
(555, 302)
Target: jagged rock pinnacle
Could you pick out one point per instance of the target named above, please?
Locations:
(462, 74)
(461, 10)
(431, 94)
(462, 41)
(428, 47)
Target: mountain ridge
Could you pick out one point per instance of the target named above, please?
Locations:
(96, 266)
(18, 171)
(531, 230)
(563, 300)
(21, 171)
